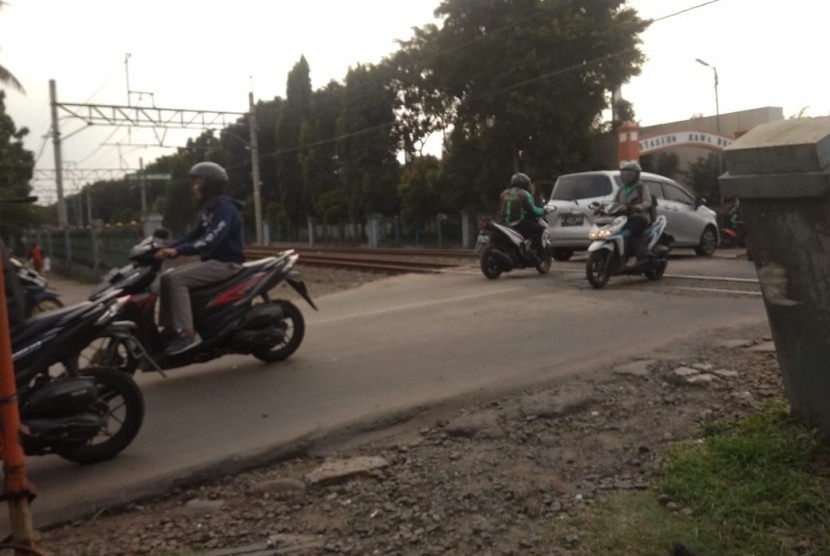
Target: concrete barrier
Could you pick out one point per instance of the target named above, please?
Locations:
(781, 173)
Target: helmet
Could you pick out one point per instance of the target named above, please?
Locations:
(630, 173)
(214, 178)
(520, 180)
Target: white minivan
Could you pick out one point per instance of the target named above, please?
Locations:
(690, 222)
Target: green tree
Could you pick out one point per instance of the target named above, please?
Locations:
(366, 146)
(6, 76)
(702, 175)
(318, 158)
(420, 189)
(293, 191)
(663, 163)
(16, 170)
(549, 67)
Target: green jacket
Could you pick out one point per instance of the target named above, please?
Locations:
(516, 205)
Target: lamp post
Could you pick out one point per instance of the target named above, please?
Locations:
(717, 109)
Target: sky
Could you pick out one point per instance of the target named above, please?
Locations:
(208, 55)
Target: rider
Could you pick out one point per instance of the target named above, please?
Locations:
(517, 210)
(219, 241)
(637, 199)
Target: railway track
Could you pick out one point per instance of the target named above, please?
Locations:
(392, 261)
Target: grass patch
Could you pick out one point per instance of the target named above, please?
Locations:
(759, 487)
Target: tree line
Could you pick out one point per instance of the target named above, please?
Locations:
(508, 84)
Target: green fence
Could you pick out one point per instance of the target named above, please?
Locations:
(88, 253)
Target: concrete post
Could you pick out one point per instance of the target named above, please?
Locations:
(373, 229)
(466, 230)
(781, 173)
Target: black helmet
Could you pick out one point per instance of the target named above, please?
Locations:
(520, 180)
(630, 173)
(214, 178)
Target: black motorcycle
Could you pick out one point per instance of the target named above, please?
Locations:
(84, 415)
(502, 249)
(37, 296)
(236, 315)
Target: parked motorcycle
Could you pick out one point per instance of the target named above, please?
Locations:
(606, 254)
(502, 249)
(37, 296)
(236, 315)
(84, 415)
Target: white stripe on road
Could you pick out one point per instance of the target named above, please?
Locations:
(419, 305)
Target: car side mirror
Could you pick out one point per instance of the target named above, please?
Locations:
(700, 201)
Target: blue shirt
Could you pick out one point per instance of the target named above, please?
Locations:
(218, 236)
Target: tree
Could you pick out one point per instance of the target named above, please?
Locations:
(664, 163)
(318, 159)
(549, 66)
(703, 177)
(420, 189)
(16, 170)
(293, 192)
(366, 146)
(6, 77)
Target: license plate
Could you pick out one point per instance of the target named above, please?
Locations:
(572, 219)
(482, 242)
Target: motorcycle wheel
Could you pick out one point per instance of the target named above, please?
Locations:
(544, 263)
(598, 269)
(108, 352)
(294, 332)
(120, 404)
(489, 265)
(45, 305)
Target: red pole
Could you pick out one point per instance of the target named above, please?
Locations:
(17, 489)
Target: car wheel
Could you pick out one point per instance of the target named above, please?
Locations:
(708, 242)
(561, 253)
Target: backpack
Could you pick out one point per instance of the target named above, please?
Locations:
(652, 212)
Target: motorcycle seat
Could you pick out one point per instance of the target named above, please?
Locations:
(35, 325)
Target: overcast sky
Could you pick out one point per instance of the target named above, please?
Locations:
(207, 54)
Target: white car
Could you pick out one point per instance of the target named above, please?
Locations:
(690, 222)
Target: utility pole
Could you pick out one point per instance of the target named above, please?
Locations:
(143, 183)
(56, 141)
(252, 124)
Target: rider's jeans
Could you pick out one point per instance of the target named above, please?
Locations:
(176, 312)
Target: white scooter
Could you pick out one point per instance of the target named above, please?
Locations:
(503, 249)
(607, 250)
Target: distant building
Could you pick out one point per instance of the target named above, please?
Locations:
(680, 137)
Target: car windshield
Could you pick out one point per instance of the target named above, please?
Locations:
(581, 186)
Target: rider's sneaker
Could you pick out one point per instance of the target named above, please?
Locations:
(182, 343)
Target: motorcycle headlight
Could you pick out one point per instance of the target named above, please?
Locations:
(598, 234)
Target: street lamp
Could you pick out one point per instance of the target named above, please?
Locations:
(717, 110)
(717, 103)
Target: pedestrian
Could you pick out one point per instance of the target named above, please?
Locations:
(36, 257)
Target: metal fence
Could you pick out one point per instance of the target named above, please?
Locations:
(91, 252)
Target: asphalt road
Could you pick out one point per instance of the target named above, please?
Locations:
(386, 347)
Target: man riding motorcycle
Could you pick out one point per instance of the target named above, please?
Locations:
(517, 210)
(637, 199)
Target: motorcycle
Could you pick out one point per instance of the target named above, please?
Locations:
(84, 415)
(37, 296)
(236, 315)
(606, 254)
(502, 249)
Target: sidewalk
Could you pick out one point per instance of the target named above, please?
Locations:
(71, 291)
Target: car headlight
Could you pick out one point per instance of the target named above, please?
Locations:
(598, 234)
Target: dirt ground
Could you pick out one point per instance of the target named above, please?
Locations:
(489, 477)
